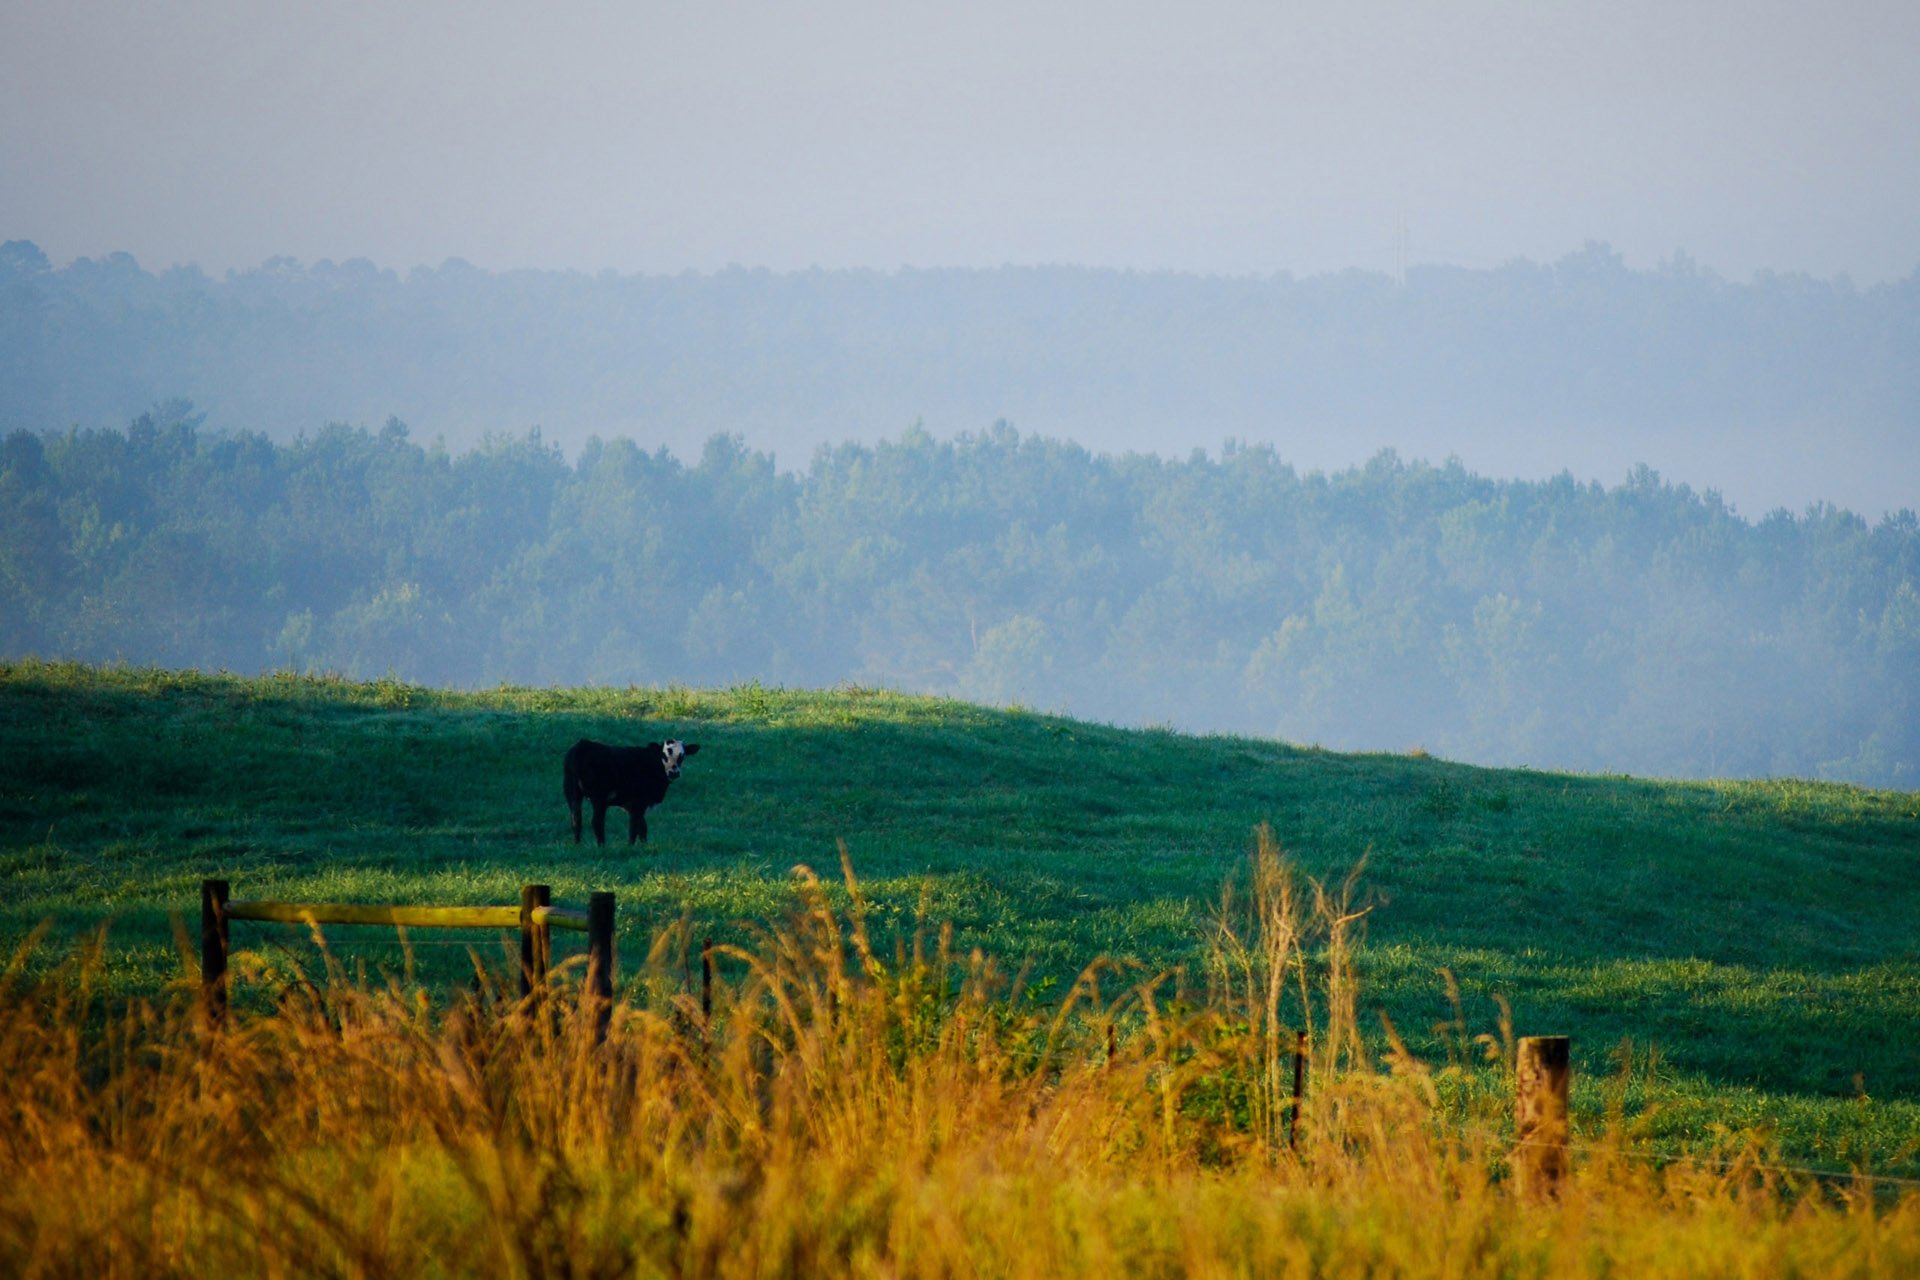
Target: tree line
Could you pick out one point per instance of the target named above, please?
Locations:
(1581, 363)
(1643, 627)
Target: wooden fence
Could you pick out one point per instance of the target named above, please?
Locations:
(1541, 1077)
(536, 917)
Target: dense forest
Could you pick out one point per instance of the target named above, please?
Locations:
(1772, 391)
(1398, 605)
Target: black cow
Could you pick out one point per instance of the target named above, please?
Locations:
(635, 778)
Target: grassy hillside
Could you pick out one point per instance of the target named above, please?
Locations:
(1724, 954)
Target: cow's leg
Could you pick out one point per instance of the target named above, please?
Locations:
(599, 822)
(570, 788)
(636, 824)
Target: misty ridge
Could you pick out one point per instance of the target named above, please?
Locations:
(1643, 627)
(1303, 581)
(1780, 391)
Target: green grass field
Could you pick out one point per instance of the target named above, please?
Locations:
(1726, 955)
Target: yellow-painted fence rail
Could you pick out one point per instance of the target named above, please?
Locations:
(535, 918)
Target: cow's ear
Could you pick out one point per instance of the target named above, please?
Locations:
(692, 747)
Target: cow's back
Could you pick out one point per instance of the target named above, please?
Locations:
(587, 766)
(615, 775)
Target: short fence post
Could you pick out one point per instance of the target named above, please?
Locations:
(600, 962)
(1542, 1073)
(213, 952)
(535, 940)
(1299, 1091)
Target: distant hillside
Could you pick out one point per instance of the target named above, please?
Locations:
(1777, 392)
(1643, 628)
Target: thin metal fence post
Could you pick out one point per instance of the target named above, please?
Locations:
(535, 939)
(600, 962)
(213, 952)
(706, 984)
(1299, 1091)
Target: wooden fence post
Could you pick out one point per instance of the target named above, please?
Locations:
(213, 952)
(1542, 1073)
(600, 962)
(535, 940)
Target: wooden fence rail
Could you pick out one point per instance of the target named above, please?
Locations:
(536, 917)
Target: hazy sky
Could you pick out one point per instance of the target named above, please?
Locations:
(1226, 137)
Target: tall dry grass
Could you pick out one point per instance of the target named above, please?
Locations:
(852, 1109)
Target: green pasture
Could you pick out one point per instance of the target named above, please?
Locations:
(1725, 955)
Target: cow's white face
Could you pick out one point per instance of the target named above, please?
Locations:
(671, 754)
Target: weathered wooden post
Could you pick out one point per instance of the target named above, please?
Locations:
(1299, 1091)
(535, 940)
(213, 952)
(600, 962)
(1542, 1073)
